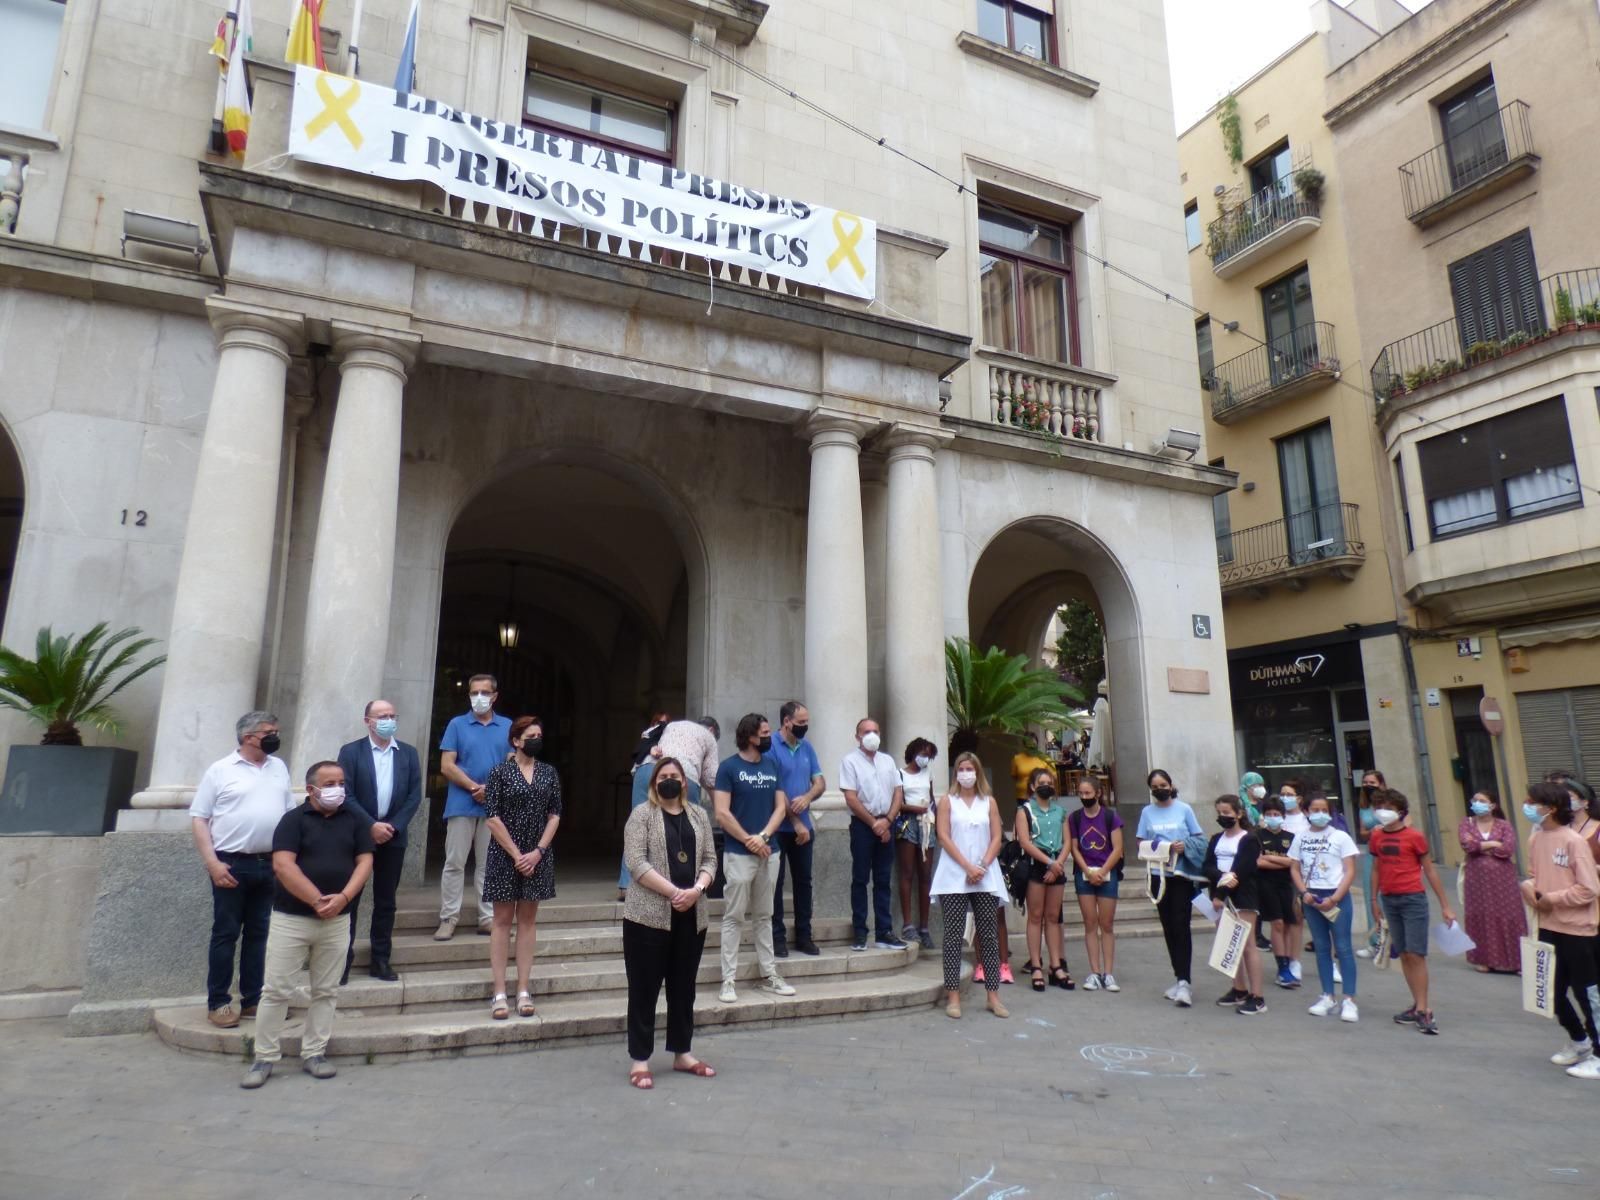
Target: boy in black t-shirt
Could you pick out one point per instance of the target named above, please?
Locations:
(1274, 884)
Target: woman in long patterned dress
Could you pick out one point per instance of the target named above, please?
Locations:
(1494, 916)
(522, 801)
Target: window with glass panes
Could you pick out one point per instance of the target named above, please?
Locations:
(589, 113)
(1517, 465)
(1191, 223)
(31, 29)
(1025, 277)
(1026, 28)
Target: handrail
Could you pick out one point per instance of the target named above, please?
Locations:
(1464, 160)
(1262, 214)
(1328, 531)
(1304, 350)
(1062, 402)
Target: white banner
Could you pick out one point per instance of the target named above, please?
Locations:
(360, 126)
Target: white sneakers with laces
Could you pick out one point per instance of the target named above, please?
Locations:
(777, 986)
(1349, 1012)
(1573, 1052)
(1589, 1068)
(1324, 1005)
(727, 995)
(1185, 997)
(1091, 982)
(1172, 992)
(1109, 982)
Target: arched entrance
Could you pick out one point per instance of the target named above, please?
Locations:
(1024, 576)
(584, 563)
(11, 493)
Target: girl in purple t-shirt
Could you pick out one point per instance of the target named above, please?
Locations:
(1096, 833)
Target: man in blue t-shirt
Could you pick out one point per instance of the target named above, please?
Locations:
(474, 743)
(750, 806)
(800, 777)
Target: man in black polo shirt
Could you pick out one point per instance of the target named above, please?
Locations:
(321, 856)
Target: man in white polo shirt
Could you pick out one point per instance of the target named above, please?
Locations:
(870, 782)
(235, 811)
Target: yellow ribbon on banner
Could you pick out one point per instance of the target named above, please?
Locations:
(335, 111)
(849, 238)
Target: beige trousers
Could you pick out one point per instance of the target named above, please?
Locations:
(463, 836)
(750, 885)
(293, 943)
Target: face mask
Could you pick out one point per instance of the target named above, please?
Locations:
(1258, 792)
(764, 744)
(1290, 803)
(385, 726)
(1577, 805)
(1045, 792)
(967, 778)
(870, 742)
(1481, 808)
(330, 797)
(1162, 795)
(1227, 822)
(1320, 820)
(1369, 818)
(532, 745)
(1385, 816)
(1532, 813)
(799, 731)
(270, 744)
(481, 702)
(922, 761)
(669, 789)
(1088, 801)
(1273, 822)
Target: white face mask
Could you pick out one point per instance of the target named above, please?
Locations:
(1258, 792)
(1290, 803)
(482, 702)
(1386, 816)
(870, 742)
(967, 778)
(330, 797)
(922, 761)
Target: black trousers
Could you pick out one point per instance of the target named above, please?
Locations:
(654, 957)
(387, 862)
(796, 861)
(1575, 979)
(1175, 913)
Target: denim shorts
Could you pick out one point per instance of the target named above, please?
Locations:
(1106, 890)
(1407, 915)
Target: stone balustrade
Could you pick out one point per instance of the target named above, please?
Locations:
(11, 168)
(1055, 400)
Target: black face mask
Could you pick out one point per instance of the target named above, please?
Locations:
(669, 789)
(1227, 822)
(799, 731)
(764, 744)
(532, 745)
(1161, 793)
(1045, 792)
(270, 743)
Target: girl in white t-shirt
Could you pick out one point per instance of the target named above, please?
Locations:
(1323, 865)
(914, 838)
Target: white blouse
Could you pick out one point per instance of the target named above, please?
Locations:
(969, 830)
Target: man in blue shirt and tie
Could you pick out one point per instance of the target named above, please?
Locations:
(474, 743)
(800, 778)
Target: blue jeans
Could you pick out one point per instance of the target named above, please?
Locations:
(244, 910)
(1330, 938)
(869, 856)
(623, 879)
(796, 858)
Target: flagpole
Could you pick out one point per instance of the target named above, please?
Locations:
(355, 41)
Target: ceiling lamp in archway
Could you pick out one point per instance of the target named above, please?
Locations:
(508, 630)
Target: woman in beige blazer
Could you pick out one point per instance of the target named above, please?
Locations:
(672, 860)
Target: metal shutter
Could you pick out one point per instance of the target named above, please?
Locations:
(1586, 723)
(1547, 735)
(1495, 291)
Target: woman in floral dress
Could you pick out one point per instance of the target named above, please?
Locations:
(1494, 916)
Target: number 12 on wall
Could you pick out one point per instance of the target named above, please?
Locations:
(140, 517)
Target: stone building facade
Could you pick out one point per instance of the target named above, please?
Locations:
(366, 425)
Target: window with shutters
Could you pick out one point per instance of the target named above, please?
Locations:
(1474, 141)
(1203, 350)
(1509, 468)
(1496, 292)
(1405, 504)
(1221, 522)
(1561, 731)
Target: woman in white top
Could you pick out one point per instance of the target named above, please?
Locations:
(1322, 862)
(968, 877)
(913, 838)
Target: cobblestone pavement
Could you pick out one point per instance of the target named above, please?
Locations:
(915, 1106)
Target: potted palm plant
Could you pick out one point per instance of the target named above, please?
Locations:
(61, 786)
(995, 695)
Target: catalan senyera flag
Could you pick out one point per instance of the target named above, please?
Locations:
(236, 87)
(305, 35)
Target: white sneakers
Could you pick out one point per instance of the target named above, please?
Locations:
(727, 995)
(1109, 982)
(1323, 1006)
(1573, 1052)
(1364, 952)
(1172, 992)
(1347, 1009)
(1349, 1012)
(777, 986)
(1185, 997)
(1091, 982)
(1589, 1068)
(1295, 970)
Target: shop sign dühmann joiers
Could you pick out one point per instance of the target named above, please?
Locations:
(362, 126)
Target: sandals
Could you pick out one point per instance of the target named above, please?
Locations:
(642, 1080)
(498, 1008)
(1038, 979)
(1061, 977)
(525, 1004)
(699, 1068)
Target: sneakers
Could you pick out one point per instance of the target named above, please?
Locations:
(727, 995)
(318, 1067)
(1349, 1012)
(1091, 983)
(1409, 1017)
(1426, 1024)
(908, 933)
(257, 1075)
(1589, 1068)
(1172, 992)
(1575, 1052)
(1323, 1006)
(889, 942)
(1285, 978)
(1364, 952)
(926, 939)
(1109, 982)
(1232, 998)
(860, 943)
(226, 1018)
(1005, 973)
(977, 972)
(446, 931)
(1252, 1006)
(777, 986)
(1185, 996)
(1295, 970)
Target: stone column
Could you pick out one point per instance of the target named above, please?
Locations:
(915, 620)
(220, 605)
(836, 591)
(352, 563)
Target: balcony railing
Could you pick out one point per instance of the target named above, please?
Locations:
(1257, 219)
(1057, 401)
(1303, 357)
(1562, 302)
(1496, 148)
(1321, 540)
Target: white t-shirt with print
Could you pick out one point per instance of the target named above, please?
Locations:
(1321, 855)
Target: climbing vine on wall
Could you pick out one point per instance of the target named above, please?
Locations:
(1232, 128)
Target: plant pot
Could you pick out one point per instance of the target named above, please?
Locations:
(65, 791)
